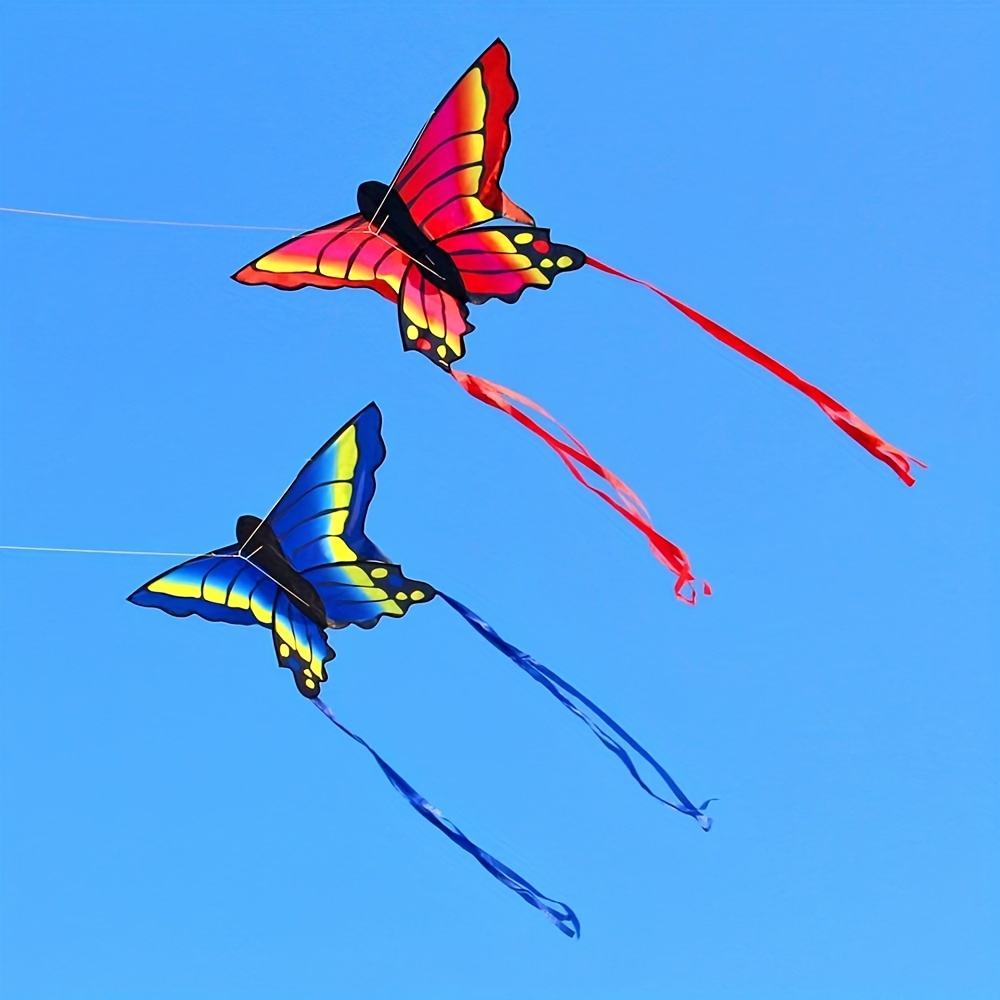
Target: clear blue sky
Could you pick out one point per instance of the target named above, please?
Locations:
(177, 822)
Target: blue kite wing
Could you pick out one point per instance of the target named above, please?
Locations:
(321, 517)
(320, 524)
(361, 593)
(300, 646)
(223, 587)
(220, 587)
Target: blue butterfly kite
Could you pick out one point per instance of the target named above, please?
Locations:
(309, 566)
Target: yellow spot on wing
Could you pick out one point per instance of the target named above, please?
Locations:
(379, 572)
(564, 261)
(442, 350)
(412, 332)
(545, 262)
(401, 596)
(525, 238)
(417, 595)
(310, 684)
(283, 649)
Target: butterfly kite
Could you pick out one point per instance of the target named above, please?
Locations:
(308, 566)
(429, 242)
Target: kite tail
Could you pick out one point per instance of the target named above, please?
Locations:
(585, 709)
(559, 913)
(575, 455)
(850, 423)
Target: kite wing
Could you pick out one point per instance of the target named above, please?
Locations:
(320, 522)
(300, 646)
(495, 263)
(344, 254)
(220, 587)
(431, 320)
(225, 587)
(451, 178)
(321, 517)
(500, 263)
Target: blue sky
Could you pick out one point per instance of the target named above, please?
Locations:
(177, 822)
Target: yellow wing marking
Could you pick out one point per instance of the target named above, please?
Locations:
(342, 494)
(338, 519)
(261, 612)
(284, 631)
(175, 588)
(357, 576)
(347, 454)
(473, 96)
(286, 263)
(238, 600)
(340, 551)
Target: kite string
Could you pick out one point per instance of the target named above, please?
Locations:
(147, 222)
(135, 552)
(215, 225)
(105, 552)
(849, 422)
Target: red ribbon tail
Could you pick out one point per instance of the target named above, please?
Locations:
(849, 422)
(575, 456)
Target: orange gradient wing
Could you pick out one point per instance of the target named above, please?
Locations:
(501, 262)
(451, 179)
(344, 254)
(431, 321)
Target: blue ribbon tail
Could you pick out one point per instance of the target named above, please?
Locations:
(597, 719)
(559, 913)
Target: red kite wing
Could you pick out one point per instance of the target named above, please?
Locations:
(451, 179)
(344, 254)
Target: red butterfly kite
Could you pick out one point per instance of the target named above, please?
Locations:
(427, 243)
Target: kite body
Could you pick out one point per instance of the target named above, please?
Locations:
(421, 241)
(306, 567)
